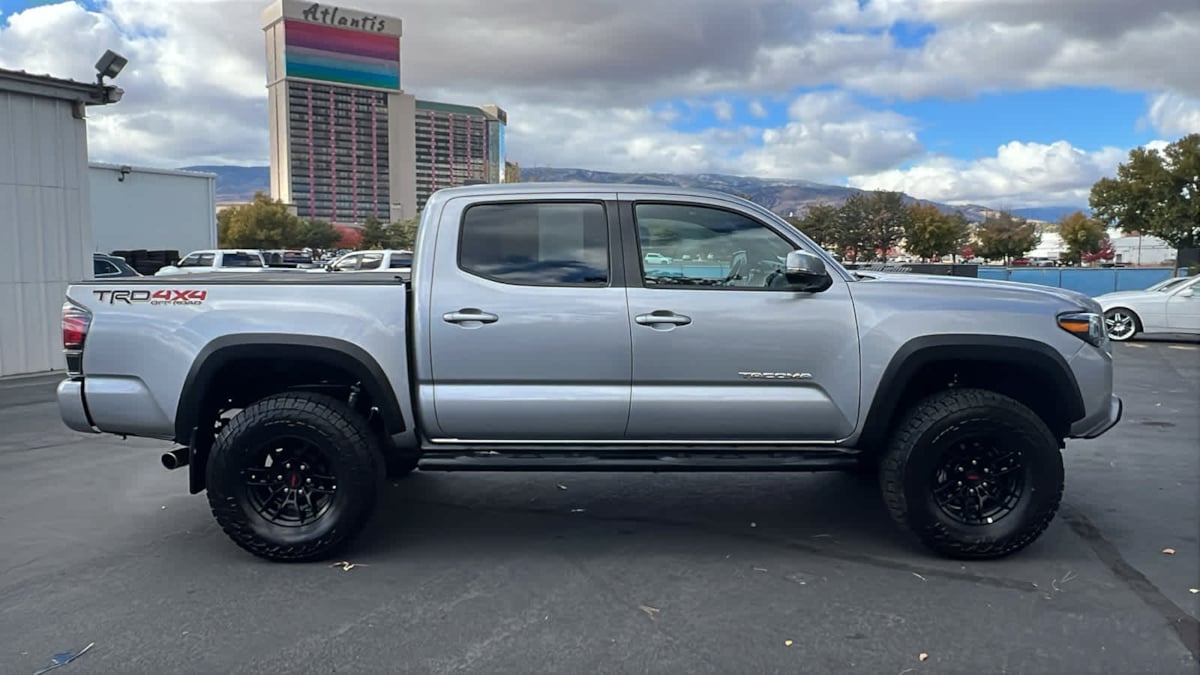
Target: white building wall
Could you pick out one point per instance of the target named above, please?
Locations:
(152, 209)
(45, 227)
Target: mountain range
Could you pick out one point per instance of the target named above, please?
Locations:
(783, 196)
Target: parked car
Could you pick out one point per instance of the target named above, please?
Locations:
(108, 266)
(224, 260)
(1170, 306)
(369, 261)
(531, 337)
(657, 259)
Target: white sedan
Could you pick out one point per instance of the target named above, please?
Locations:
(1171, 306)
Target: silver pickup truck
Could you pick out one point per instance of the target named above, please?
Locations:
(533, 335)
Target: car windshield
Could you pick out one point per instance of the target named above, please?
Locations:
(1167, 284)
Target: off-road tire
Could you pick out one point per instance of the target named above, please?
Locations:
(915, 451)
(343, 439)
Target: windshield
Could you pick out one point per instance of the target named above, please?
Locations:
(1167, 284)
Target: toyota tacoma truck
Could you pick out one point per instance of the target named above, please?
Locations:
(529, 335)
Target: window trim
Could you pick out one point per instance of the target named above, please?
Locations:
(635, 278)
(612, 241)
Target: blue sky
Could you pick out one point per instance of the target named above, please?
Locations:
(1020, 102)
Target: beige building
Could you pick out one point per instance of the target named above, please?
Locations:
(346, 141)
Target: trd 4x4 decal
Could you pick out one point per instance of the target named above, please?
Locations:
(187, 296)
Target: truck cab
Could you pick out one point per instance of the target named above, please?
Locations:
(224, 260)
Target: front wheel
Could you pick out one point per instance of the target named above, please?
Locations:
(973, 474)
(1121, 324)
(294, 476)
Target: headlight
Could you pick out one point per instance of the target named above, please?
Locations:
(1085, 325)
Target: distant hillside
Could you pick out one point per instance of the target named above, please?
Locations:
(237, 183)
(783, 196)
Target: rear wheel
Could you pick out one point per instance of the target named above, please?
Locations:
(1122, 324)
(294, 476)
(973, 474)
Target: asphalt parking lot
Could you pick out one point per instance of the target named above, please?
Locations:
(522, 573)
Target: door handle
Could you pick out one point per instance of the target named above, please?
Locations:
(662, 316)
(469, 314)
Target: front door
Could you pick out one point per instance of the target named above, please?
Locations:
(721, 350)
(1183, 308)
(528, 324)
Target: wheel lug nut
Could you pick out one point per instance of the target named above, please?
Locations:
(304, 467)
(308, 480)
(279, 477)
(288, 465)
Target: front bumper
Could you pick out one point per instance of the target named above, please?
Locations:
(71, 406)
(1100, 422)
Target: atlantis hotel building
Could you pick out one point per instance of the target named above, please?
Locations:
(346, 140)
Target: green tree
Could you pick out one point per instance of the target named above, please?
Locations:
(374, 234)
(820, 224)
(933, 234)
(1006, 237)
(1081, 235)
(883, 218)
(851, 226)
(1155, 193)
(263, 223)
(402, 234)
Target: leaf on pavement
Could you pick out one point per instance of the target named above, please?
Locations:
(1169, 551)
(787, 643)
(650, 611)
(347, 566)
(923, 656)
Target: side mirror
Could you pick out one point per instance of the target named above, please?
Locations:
(806, 272)
(1186, 293)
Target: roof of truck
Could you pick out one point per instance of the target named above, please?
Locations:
(488, 189)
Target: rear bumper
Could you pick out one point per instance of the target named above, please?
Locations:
(1099, 423)
(72, 408)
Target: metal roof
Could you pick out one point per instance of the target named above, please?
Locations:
(90, 93)
(551, 187)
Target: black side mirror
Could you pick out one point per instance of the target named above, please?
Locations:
(806, 272)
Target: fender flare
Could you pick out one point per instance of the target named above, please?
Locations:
(919, 352)
(274, 347)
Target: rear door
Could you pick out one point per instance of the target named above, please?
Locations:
(722, 350)
(528, 326)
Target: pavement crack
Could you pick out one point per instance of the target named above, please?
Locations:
(1185, 626)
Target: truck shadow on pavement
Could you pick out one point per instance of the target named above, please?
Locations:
(829, 517)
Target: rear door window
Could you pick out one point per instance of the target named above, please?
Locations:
(536, 244)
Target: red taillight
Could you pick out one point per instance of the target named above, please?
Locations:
(75, 324)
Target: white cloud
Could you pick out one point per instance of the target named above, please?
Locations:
(590, 84)
(1022, 174)
(1173, 114)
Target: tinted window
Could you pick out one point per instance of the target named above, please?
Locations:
(206, 260)
(709, 247)
(556, 243)
(103, 267)
(191, 261)
(399, 261)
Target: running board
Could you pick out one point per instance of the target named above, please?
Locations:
(823, 459)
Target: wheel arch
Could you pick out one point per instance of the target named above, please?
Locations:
(922, 365)
(202, 386)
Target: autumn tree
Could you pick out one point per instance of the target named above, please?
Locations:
(1081, 235)
(1155, 193)
(933, 234)
(1005, 236)
(264, 223)
(1104, 251)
